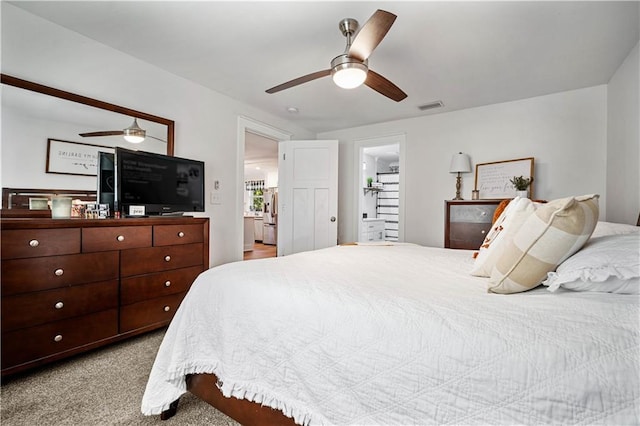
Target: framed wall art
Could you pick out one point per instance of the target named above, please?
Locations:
(493, 179)
(73, 158)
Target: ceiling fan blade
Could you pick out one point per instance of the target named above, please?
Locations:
(104, 133)
(371, 34)
(384, 86)
(299, 80)
(158, 139)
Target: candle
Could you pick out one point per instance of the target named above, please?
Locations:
(61, 207)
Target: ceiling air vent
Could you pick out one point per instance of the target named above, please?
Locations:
(432, 105)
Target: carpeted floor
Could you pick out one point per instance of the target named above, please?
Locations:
(103, 387)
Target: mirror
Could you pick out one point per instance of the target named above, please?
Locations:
(66, 115)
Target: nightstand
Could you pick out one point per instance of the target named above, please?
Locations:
(467, 222)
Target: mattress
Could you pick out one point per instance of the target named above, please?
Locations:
(401, 334)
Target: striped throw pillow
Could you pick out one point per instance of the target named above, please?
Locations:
(547, 237)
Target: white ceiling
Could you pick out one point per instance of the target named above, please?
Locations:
(465, 54)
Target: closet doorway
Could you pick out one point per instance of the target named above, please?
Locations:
(379, 189)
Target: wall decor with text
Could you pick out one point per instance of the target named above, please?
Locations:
(73, 158)
(493, 179)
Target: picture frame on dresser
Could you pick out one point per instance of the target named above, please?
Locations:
(492, 180)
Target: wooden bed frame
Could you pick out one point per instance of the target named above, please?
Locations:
(241, 410)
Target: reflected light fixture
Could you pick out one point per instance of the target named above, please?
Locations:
(134, 133)
(460, 163)
(347, 72)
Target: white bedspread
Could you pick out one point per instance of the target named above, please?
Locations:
(401, 334)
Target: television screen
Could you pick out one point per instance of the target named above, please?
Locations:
(159, 183)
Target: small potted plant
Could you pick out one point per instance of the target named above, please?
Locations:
(521, 184)
(369, 182)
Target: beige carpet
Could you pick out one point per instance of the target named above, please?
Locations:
(103, 387)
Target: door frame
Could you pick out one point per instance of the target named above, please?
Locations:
(246, 124)
(358, 146)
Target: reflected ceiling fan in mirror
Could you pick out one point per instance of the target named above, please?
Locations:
(351, 69)
(133, 133)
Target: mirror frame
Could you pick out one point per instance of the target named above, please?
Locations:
(50, 91)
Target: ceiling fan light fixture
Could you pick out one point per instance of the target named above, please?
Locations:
(347, 72)
(133, 133)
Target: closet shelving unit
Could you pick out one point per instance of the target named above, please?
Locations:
(387, 203)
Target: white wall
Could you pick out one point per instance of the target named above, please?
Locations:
(623, 142)
(206, 121)
(565, 132)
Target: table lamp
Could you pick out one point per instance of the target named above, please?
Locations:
(460, 163)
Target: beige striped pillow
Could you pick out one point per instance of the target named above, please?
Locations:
(554, 232)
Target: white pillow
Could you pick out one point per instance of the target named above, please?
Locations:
(608, 264)
(611, 228)
(501, 232)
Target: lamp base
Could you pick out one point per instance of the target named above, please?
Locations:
(458, 186)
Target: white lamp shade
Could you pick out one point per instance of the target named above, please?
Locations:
(460, 163)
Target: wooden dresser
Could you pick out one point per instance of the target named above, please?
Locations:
(467, 222)
(73, 285)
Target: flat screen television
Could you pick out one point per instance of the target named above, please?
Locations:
(149, 184)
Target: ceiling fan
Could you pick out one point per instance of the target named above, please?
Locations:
(350, 69)
(133, 133)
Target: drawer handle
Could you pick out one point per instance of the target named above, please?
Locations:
(167, 308)
(34, 243)
(167, 283)
(180, 234)
(483, 231)
(59, 305)
(167, 258)
(58, 338)
(120, 238)
(59, 272)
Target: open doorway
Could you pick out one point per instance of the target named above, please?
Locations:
(380, 192)
(260, 196)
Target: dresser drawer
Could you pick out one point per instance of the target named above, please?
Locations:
(143, 287)
(154, 311)
(115, 238)
(168, 235)
(152, 259)
(27, 310)
(24, 243)
(38, 342)
(25, 275)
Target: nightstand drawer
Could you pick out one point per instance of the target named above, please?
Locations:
(115, 238)
(143, 287)
(27, 310)
(24, 243)
(149, 312)
(152, 259)
(168, 235)
(38, 342)
(25, 275)
(468, 235)
(469, 213)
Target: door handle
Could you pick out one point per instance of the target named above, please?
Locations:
(333, 218)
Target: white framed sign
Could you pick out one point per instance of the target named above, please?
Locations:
(493, 179)
(73, 158)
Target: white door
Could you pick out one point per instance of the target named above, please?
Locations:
(308, 195)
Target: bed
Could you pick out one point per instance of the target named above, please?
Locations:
(397, 333)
